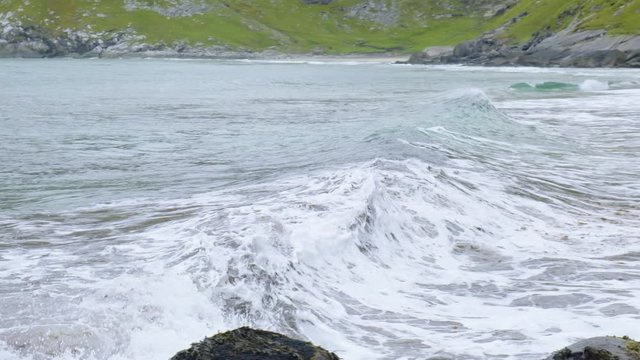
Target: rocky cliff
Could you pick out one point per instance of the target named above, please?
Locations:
(585, 49)
(576, 44)
(493, 32)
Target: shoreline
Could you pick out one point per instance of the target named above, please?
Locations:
(355, 59)
(566, 49)
(373, 58)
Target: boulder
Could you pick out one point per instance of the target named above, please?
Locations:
(600, 348)
(434, 54)
(249, 344)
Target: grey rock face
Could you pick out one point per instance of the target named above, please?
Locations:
(17, 40)
(383, 12)
(600, 348)
(250, 344)
(567, 49)
(32, 41)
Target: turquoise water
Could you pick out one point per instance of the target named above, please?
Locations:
(382, 211)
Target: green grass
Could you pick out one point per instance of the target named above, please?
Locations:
(615, 16)
(291, 26)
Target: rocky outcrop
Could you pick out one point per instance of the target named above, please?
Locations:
(250, 344)
(29, 41)
(32, 41)
(18, 40)
(600, 348)
(565, 49)
(382, 12)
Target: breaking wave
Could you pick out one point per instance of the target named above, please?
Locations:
(329, 256)
(438, 223)
(550, 86)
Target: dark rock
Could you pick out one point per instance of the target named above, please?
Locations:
(249, 344)
(633, 58)
(586, 49)
(34, 41)
(435, 54)
(476, 48)
(598, 58)
(600, 348)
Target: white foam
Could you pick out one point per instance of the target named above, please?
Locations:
(594, 85)
(355, 257)
(374, 259)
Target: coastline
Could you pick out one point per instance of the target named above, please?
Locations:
(567, 48)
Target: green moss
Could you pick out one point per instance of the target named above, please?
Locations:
(633, 347)
(615, 16)
(599, 354)
(563, 354)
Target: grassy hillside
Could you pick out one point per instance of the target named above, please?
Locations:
(344, 26)
(615, 16)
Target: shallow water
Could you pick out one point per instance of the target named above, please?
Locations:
(381, 211)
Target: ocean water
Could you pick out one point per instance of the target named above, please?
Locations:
(381, 211)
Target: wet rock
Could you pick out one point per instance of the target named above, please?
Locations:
(249, 344)
(600, 348)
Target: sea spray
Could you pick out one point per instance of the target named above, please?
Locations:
(382, 212)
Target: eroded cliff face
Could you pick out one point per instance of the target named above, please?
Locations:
(494, 32)
(568, 47)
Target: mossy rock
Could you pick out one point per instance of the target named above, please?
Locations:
(633, 347)
(250, 344)
(600, 348)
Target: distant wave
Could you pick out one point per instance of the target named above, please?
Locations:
(587, 85)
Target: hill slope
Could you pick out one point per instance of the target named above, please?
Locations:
(52, 27)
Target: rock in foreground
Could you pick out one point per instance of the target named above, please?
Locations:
(600, 348)
(250, 344)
